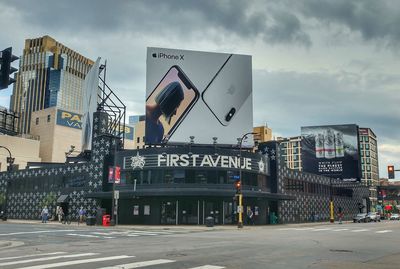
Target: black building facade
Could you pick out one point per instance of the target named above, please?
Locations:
(181, 184)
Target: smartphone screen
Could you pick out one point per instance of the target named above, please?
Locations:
(160, 129)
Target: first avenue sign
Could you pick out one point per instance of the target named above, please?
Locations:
(195, 160)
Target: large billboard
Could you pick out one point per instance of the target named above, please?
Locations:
(331, 151)
(200, 94)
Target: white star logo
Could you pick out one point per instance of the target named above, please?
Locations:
(261, 166)
(138, 161)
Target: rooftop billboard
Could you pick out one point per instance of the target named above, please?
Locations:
(200, 94)
(332, 151)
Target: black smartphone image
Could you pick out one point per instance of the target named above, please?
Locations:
(229, 88)
(168, 104)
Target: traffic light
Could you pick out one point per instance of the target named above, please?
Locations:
(6, 58)
(238, 186)
(391, 171)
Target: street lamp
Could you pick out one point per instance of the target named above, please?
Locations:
(239, 185)
(10, 160)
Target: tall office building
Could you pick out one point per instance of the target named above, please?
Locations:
(50, 75)
(369, 161)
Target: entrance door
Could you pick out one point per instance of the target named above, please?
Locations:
(188, 211)
(213, 209)
(168, 212)
(230, 215)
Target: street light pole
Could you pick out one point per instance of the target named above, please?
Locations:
(10, 161)
(240, 211)
(331, 215)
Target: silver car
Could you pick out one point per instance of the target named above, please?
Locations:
(395, 216)
(374, 216)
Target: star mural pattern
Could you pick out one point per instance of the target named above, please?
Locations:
(79, 179)
(311, 206)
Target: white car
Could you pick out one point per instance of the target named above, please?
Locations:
(395, 217)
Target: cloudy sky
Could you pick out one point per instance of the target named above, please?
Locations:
(315, 62)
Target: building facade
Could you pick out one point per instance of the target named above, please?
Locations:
(183, 184)
(290, 151)
(50, 75)
(23, 150)
(369, 162)
(262, 134)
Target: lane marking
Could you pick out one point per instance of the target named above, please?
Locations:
(50, 258)
(33, 255)
(38, 232)
(360, 230)
(138, 264)
(384, 231)
(208, 267)
(85, 235)
(60, 264)
(340, 230)
(322, 229)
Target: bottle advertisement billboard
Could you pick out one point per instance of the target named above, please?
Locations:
(332, 151)
(200, 94)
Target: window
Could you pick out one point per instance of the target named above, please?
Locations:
(138, 140)
(37, 121)
(48, 118)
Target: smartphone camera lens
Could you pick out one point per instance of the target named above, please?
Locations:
(230, 114)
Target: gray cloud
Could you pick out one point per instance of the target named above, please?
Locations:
(374, 20)
(293, 99)
(168, 19)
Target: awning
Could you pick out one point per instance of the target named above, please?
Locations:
(62, 199)
(189, 192)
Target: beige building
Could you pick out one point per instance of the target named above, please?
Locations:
(263, 134)
(58, 130)
(23, 150)
(139, 138)
(291, 152)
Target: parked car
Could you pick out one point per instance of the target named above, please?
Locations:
(395, 216)
(362, 217)
(374, 216)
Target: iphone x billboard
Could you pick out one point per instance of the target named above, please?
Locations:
(331, 151)
(200, 94)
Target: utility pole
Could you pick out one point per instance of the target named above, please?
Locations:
(239, 182)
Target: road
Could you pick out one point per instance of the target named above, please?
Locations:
(323, 245)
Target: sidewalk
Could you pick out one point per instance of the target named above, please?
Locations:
(173, 227)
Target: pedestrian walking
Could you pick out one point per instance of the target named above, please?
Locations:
(60, 214)
(250, 216)
(81, 215)
(44, 214)
(340, 215)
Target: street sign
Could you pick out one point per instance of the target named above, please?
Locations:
(240, 209)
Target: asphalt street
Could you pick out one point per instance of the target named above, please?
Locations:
(318, 245)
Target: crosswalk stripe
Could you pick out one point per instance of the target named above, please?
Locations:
(49, 258)
(322, 229)
(340, 230)
(384, 231)
(33, 255)
(138, 264)
(68, 263)
(38, 232)
(151, 232)
(208, 267)
(85, 235)
(143, 234)
(360, 230)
